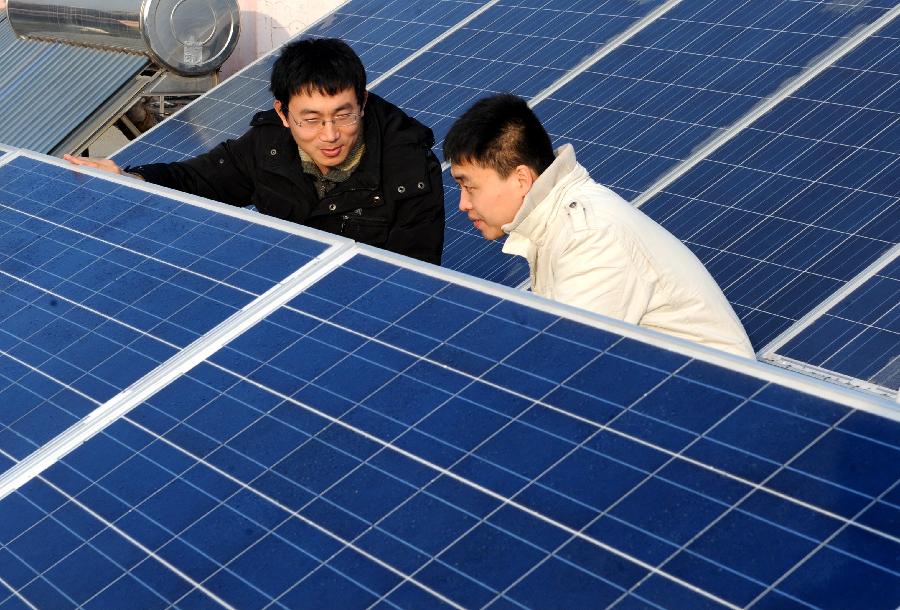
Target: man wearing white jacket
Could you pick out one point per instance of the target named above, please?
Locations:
(585, 245)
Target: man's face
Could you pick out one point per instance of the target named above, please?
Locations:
(328, 145)
(487, 199)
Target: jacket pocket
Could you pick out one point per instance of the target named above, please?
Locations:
(372, 231)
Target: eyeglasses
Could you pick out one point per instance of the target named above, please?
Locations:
(346, 119)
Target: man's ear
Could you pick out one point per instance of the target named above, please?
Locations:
(281, 115)
(525, 177)
(362, 109)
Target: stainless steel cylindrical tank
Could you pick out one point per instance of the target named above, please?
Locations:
(190, 37)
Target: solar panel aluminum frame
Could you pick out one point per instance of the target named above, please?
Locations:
(846, 396)
(207, 204)
(829, 376)
(769, 353)
(339, 249)
(769, 372)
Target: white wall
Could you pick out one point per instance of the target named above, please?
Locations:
(267, 24)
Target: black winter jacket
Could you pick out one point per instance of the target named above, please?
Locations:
(394, 199)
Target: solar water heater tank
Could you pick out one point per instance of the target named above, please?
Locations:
(189, 37)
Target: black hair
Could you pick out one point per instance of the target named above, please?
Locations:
(324, 65)
(499, 132)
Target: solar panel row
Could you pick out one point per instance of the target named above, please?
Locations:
(753, 210)
(801, 201)
(101, 282)
(372, 442)
(681, 81)
(392, 434)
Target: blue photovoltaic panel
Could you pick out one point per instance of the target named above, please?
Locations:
(519, 48)
(860, 336)
(509, 47)
(386, 32)
(380, 32)
(693, 72)
(805, 199)
(100, 283)
(350, 451)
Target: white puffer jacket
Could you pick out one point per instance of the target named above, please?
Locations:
(588, 247)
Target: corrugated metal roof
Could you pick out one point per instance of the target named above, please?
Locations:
(48, 89)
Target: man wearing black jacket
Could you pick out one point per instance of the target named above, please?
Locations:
(330, 155)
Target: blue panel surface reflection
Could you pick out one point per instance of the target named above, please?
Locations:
(391, 438)
(101, 283)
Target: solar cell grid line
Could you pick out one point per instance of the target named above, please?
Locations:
(521, 48)
(90, 302)
(383, 33)
(18, 598)
(801, 201)
(188, 596)
(857, 336)
(335, 487)
(641, 111)
(153, 381)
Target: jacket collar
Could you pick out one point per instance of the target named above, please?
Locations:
(540, 205)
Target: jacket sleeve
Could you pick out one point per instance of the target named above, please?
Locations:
(223, 174)
(597, 271)
(418, 227)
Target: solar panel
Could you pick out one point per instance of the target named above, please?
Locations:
(804, 199)
(102, 282)
(857, 336)
(386, 33)
(349, 451)
(204, 407)
(508, 47)
(38, 76)
(692, 73)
